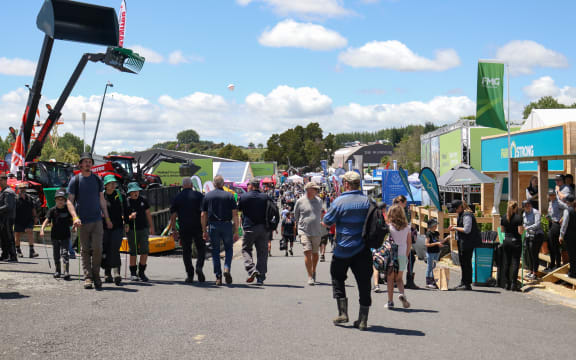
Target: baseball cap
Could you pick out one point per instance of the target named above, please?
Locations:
(311, 185)
(351, 177)
(432, 222)
(60, 193)
(551, 192)
(559, 177)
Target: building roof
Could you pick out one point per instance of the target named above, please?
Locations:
(540, 118)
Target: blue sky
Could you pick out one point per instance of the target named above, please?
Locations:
(350, 65)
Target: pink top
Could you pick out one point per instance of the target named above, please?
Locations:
(400, 237)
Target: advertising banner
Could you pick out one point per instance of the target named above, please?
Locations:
(490, 96)
(530, 143)
(404, 177)
(430, 184)
(392, 186)
(450, 150)
(170, 172)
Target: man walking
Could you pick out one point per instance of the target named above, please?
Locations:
(25, 220)
(555, 213)
(308, 217)
(86, 204)
(7, 215)
(468, 236)
(187, 206)
(220, 223)
(568, 233)
(348, 212)
(253, 208)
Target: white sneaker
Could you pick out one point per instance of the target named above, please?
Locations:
(405, 302)
(311, 282)
(389, 305)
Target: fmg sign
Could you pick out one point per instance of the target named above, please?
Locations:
(543, 142)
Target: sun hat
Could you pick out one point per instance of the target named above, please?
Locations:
(133, 186)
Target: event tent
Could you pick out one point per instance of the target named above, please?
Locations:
(540, 118)
(295, 179)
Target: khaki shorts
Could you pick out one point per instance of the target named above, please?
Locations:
(310, 243)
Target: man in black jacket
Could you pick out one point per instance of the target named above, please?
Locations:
(7, 215)
(468, 236)
(568, 233)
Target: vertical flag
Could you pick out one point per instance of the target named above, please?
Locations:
(430, 184)
(122, 23)
(403, 175)
(324, 164)
(19, 151)
(349, 164)
(490, 96)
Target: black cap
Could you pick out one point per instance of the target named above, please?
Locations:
(455, 204)
(551, 192)
(432, 222)
(60, 193)
(569, 198)
(255, 182)
(560, 177)
(526, 202)
(85, 155)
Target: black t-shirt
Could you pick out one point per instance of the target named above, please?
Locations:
(117, 209)
(219, 205)
(188, 206)
(253, 207)
(510, 228)
(24, 210)
(139, 206)
(288, 227)
(434, 238)
(61, 221)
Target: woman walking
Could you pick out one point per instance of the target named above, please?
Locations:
(401, 235)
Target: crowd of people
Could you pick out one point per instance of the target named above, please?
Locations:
(101, 215)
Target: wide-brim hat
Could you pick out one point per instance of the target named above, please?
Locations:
(108, 179)
(312, 185)
(85, 155)
(133, 187)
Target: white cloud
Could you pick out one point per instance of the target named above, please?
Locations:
(150, 55)
(303, 8)
(16, 66)
(546, 86)
(289, 33)
(136, 123)
(395, 55)
(524, 55)
(177, 57)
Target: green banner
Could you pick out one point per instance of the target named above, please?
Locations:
(490, 96)
(262, 169)
(170, 172)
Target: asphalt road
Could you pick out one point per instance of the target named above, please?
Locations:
(44, 318)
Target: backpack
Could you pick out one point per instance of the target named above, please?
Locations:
(272, 215)
(375, 228)
(77, 186)
(386, 257)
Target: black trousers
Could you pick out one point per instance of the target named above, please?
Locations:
(361, 266)
(7, 239)
(187, 237)
(60, 250)
(111, 243)
(534, 244)
(511, 260)
(554, 245)
(465, 257)
(571, 245)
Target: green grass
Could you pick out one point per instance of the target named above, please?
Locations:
(255, 154)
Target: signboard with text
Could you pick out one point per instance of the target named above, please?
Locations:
(392, 186)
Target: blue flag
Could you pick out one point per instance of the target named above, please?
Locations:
(404, 176)
(324, 164)
(430, 183)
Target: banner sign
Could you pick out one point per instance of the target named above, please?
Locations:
(392, 186)
(543, 142)
(324, 164)
(490, 96)
(430, 184)
(404, 177)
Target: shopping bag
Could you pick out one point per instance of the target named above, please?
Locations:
(442, 278)
(283, 245)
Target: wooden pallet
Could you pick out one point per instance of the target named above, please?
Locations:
(560, 274)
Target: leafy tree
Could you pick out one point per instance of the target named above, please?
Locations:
(468, 117)
(233, 152)
(188, 137)
(546, 102)
(260, 146)
(70, 141)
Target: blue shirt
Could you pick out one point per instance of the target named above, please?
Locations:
(348, 212)
(253, 207)
(88, 199)
(219, 205)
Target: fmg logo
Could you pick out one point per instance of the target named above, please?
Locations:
(490, 83)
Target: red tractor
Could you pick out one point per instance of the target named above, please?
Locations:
(123, 168)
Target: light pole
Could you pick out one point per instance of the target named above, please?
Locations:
(108, 84)
(84, 123)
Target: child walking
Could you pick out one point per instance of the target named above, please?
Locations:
(61, 221)
(433, 246)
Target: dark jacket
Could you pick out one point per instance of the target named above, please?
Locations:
(7, 204)
(473, 239)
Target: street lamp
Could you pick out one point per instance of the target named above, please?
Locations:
(108, 84)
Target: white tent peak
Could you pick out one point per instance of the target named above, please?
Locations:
(540, 118)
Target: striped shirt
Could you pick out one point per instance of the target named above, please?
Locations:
(348, 212)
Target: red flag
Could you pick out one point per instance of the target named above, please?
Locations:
(387, 166)
(122, 23)
(19, 152)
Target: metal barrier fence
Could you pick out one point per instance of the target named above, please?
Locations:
(160, 198)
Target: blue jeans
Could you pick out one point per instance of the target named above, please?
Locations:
(431, 260)
(221, 232)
